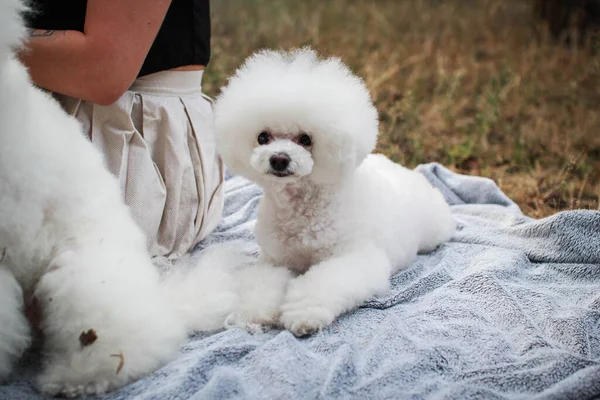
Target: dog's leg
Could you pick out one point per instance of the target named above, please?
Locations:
(261, 290)
(105, 319)
(14, 328)
(333, 287)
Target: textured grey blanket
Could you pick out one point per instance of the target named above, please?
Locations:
(510, 309)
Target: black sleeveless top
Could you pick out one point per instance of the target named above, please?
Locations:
(183, 38)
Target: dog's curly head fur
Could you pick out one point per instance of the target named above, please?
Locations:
(288, 115)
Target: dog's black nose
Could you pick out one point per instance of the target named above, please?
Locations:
(279, 162)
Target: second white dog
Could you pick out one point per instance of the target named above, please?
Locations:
(339, 218)
(69, 244)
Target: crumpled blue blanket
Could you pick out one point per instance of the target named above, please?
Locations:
(510, 309)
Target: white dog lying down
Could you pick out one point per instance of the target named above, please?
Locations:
(67, 240)
(339, 218)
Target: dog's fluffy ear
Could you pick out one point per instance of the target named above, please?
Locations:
(12, 30)
(277, 90)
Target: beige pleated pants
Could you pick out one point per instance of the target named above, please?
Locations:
(158, 139)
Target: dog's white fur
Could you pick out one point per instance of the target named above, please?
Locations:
(68, 241)
(342, 220)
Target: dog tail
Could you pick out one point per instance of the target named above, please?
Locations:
(204, 289)
(12, 29)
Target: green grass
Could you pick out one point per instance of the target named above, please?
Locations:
(472, 84)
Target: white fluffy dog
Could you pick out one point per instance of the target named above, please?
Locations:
(339, 218)
(68, 243)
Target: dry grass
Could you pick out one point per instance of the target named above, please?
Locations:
(467, 83)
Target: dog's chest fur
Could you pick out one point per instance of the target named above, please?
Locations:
(296, 226)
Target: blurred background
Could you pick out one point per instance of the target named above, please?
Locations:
(507, 89)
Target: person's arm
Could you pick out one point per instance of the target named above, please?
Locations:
(101, 63)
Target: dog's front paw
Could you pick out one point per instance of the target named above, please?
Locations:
(262, 289)
(105, 324)
(306, 309)
(255, 317)
(258, 313)
(59, 388)
(83, 373)
(252, 324)
(99, 365)
(303, 320)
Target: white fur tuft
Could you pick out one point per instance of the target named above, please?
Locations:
(11, 26)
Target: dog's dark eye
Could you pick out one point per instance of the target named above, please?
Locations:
(305, 140)
(263, 138)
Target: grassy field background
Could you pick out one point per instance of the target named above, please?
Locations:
(471, 84)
